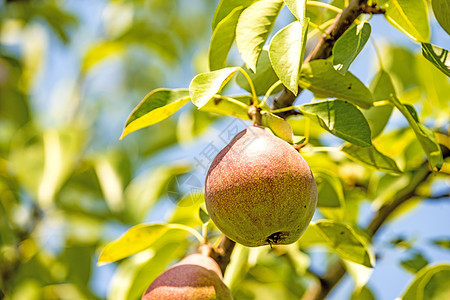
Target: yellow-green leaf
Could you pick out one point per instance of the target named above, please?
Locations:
(342, 119)
(441, 10)
(279, 126)
(347, 243)
(371, 157)
(137, 239)
(348, 46)
(225, 7)
(222, 39)
(324, 81)
(430, 283)
(205, 85)
(158, 105)
(253, 27)
(410, 16)
(286, 52)
(297, 8)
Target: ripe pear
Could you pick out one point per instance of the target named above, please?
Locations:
(197, 276)
(259, 190)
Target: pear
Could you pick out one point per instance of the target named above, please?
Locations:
(197, 276)
(259, 190)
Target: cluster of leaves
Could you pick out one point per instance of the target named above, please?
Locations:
(352, 112)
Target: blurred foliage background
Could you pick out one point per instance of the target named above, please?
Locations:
(70, 73)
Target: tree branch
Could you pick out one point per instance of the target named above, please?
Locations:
(325, 45)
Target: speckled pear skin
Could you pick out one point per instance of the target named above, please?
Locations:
(260, 191)
(195, 277)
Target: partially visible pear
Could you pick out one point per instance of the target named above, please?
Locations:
(197, 276)
(259, 190)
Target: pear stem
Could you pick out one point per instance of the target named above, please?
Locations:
(222, 253)
(254, 113)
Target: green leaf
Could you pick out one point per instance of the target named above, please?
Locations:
(378, 116)
(430, 283)
(286, 53)
(414, 263)
(347, 243)
(441, 10)
(253, 27)
(370, 156)
(225, 7)
(410, 16)
(222, 39)
(203, 214)
(437, 56)
(100, 51)
(297, 8)
(279, 126)
(137, 239)
(330, 194)
(158, 105)
(424, 135)
(444, 243)
(363, 294)
(342, 119)
(324, 81)
(262, 79)
(348, 46)
(228, 106)
(205, 85)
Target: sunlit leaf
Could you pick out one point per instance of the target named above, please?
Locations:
(378, 116)
(262, 79)
(425, 136)
(278, 125)
(330, 195)
(359, 273)
(348, 46)
(203, 214)
(363, 294)
(205, 85)
(410, 16)
(370, 156)
(225, 7)
(229, 106)
(342, 119)
(441, 9)
(430, 283)
(136, 239)
(437, 56)
(157, 106)
(347, 243)
(414, 263)
(297, 8)
(222, 39)
(99, 52)
(324, 81)
(286, 52)
(253, 27)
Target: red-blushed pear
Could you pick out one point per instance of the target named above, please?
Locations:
(196, 277)
(259, 190)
